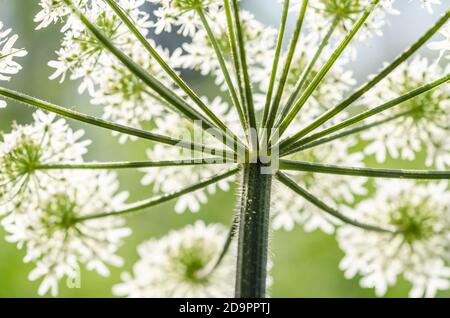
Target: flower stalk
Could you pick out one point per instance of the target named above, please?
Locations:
(253, 232)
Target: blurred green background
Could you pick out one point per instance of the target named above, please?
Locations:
(305, 264)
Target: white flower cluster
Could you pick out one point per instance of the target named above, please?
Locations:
(428, 4)
(46, 141)
(40, 207)
(425, 118)
(8, 66)
(419, 251)
(345, 13)
(322, 14)
(182, 14)
(181, 265)
(443, 46)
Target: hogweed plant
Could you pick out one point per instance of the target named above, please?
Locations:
(292, 130)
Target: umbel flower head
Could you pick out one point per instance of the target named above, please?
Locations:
(181, 265)
(82, 56)
(418, 252)
(8, 66)
(48, 226)
(48, 140)
(342, 14)
(424, 118)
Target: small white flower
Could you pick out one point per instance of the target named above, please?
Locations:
(182, 14)
(52, 11)
(427, 4)
(178, 265)
(8, 66)
(84, 57)
(443, 46)
(46, 225)
(425, 123)
(419, 252)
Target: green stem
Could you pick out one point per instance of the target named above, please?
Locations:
(157, 86)
(276, 60)
(297, 147)
(363, 172)
(236, 60)
(283, 178)
(303, 79)
(250, 108)
(160, 199)
(287, 66)
(175, 77)
(286, 145)
(253, 232)
(129, 164)
(324, 70)
(68, 113)
(223, 65)
(374, 81)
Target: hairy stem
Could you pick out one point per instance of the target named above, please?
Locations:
(253, 232)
